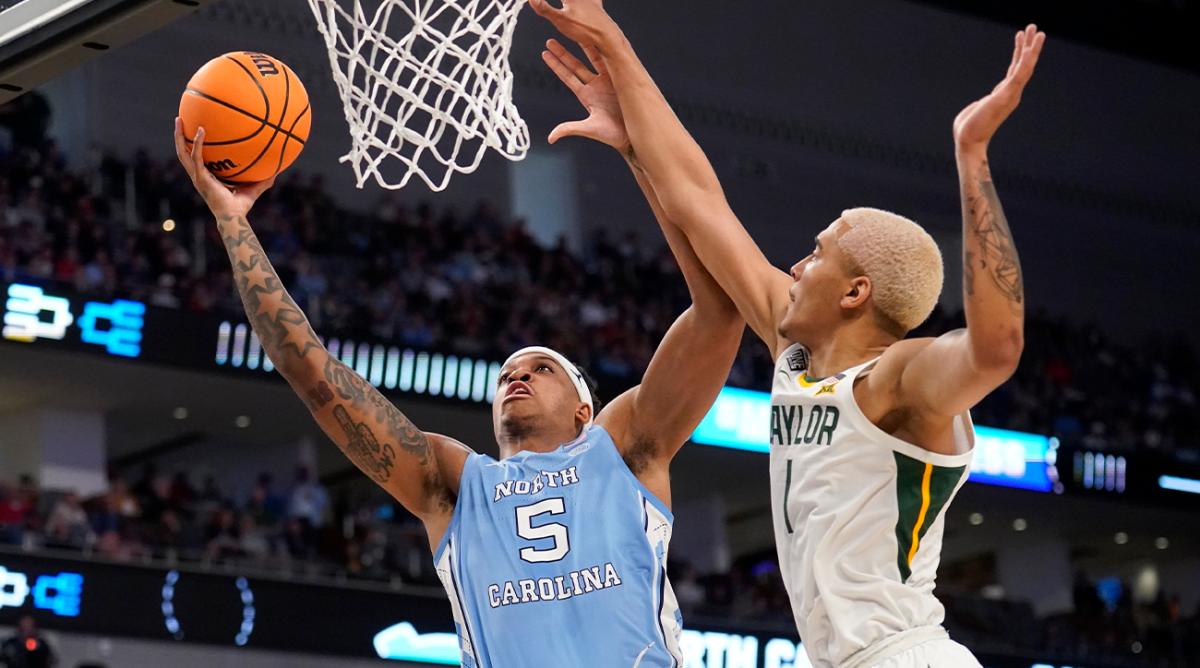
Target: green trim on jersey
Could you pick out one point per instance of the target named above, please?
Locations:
(922, 490)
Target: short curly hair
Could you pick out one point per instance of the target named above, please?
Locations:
(901, 259)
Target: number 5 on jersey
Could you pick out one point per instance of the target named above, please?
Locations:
(552, 530)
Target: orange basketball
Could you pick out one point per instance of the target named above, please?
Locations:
(254, 112)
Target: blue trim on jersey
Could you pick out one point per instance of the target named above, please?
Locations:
(662, 586)
(465, 614)
(662, 581)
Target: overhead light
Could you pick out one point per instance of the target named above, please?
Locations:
(1020, 524)
(180, 413)
(975, 519)
(1162, 543)
(168, 225)
(242, 421)
(1121, 538)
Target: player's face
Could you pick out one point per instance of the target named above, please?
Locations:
(534, 391)
(818, 283)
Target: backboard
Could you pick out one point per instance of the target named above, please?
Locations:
(40, 39)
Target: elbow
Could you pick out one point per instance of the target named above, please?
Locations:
(686, 201)
(720, 315)
(1000, 354)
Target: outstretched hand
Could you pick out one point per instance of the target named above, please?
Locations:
(595, 92)
(976, 124)
(583, 21)
(224, 201)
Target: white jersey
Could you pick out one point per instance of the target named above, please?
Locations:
(859, 516)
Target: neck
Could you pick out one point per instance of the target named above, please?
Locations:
(512, 441)
(845, 348)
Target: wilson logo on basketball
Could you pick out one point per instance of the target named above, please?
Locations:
(265, 64)
(220, 165)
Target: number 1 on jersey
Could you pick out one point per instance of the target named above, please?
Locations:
(552, 530)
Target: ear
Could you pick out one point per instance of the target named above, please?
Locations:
(857, 293)
(582, 414)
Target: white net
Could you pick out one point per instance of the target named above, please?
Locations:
(426, 85)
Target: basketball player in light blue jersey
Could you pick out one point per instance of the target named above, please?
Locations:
(555, 554)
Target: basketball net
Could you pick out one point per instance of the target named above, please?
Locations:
(426, 85)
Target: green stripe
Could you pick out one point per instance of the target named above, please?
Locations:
(787, 487)
(909, 473)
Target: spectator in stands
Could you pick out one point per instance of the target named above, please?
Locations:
(224, 538)
(68, 525)
(28, 648)
(253, 541)
(309, 501)
(16, 508)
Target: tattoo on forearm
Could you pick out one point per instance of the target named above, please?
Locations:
(997, 254)
(287, 338)
(318, 396)
(351, 388)
(374, 458)
(281, 326)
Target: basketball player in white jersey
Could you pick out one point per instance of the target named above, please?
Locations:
(870, 432)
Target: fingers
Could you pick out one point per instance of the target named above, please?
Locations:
(1030, 52)
(181, 150)
(567, 58)
(197, 156)
(565, 75)
(200, 174)
(1016, 55)
(594, 57)
(569, 129)
(544, 9)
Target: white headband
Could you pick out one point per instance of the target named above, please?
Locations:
(585, 395)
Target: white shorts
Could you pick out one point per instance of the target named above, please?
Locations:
(939, 653)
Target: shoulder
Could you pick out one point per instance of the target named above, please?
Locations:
(616, 416)
(886, 374)
(451, 457)
(637, 447)
(445, 444)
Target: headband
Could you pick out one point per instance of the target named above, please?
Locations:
(585, 394)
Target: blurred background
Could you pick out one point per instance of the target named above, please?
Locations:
(166, 500)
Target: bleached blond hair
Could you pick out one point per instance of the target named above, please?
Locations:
(901, 259)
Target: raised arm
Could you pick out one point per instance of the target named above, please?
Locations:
(680, 173)
(959, 369)
(420, 470)
(652, 421)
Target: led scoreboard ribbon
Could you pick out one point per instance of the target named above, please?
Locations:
(739, 419)
(30, 314)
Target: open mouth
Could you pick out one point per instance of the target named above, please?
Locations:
(518, 390)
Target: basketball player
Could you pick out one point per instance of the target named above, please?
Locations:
(870, 432)
(555, 555)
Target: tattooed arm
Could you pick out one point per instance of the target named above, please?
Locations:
(955, 371)
(420, 470)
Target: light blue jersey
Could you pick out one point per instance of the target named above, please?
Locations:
(559, 559)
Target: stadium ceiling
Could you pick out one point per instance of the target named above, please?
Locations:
(1162, 31)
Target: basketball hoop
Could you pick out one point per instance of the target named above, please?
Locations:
(426, 85)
